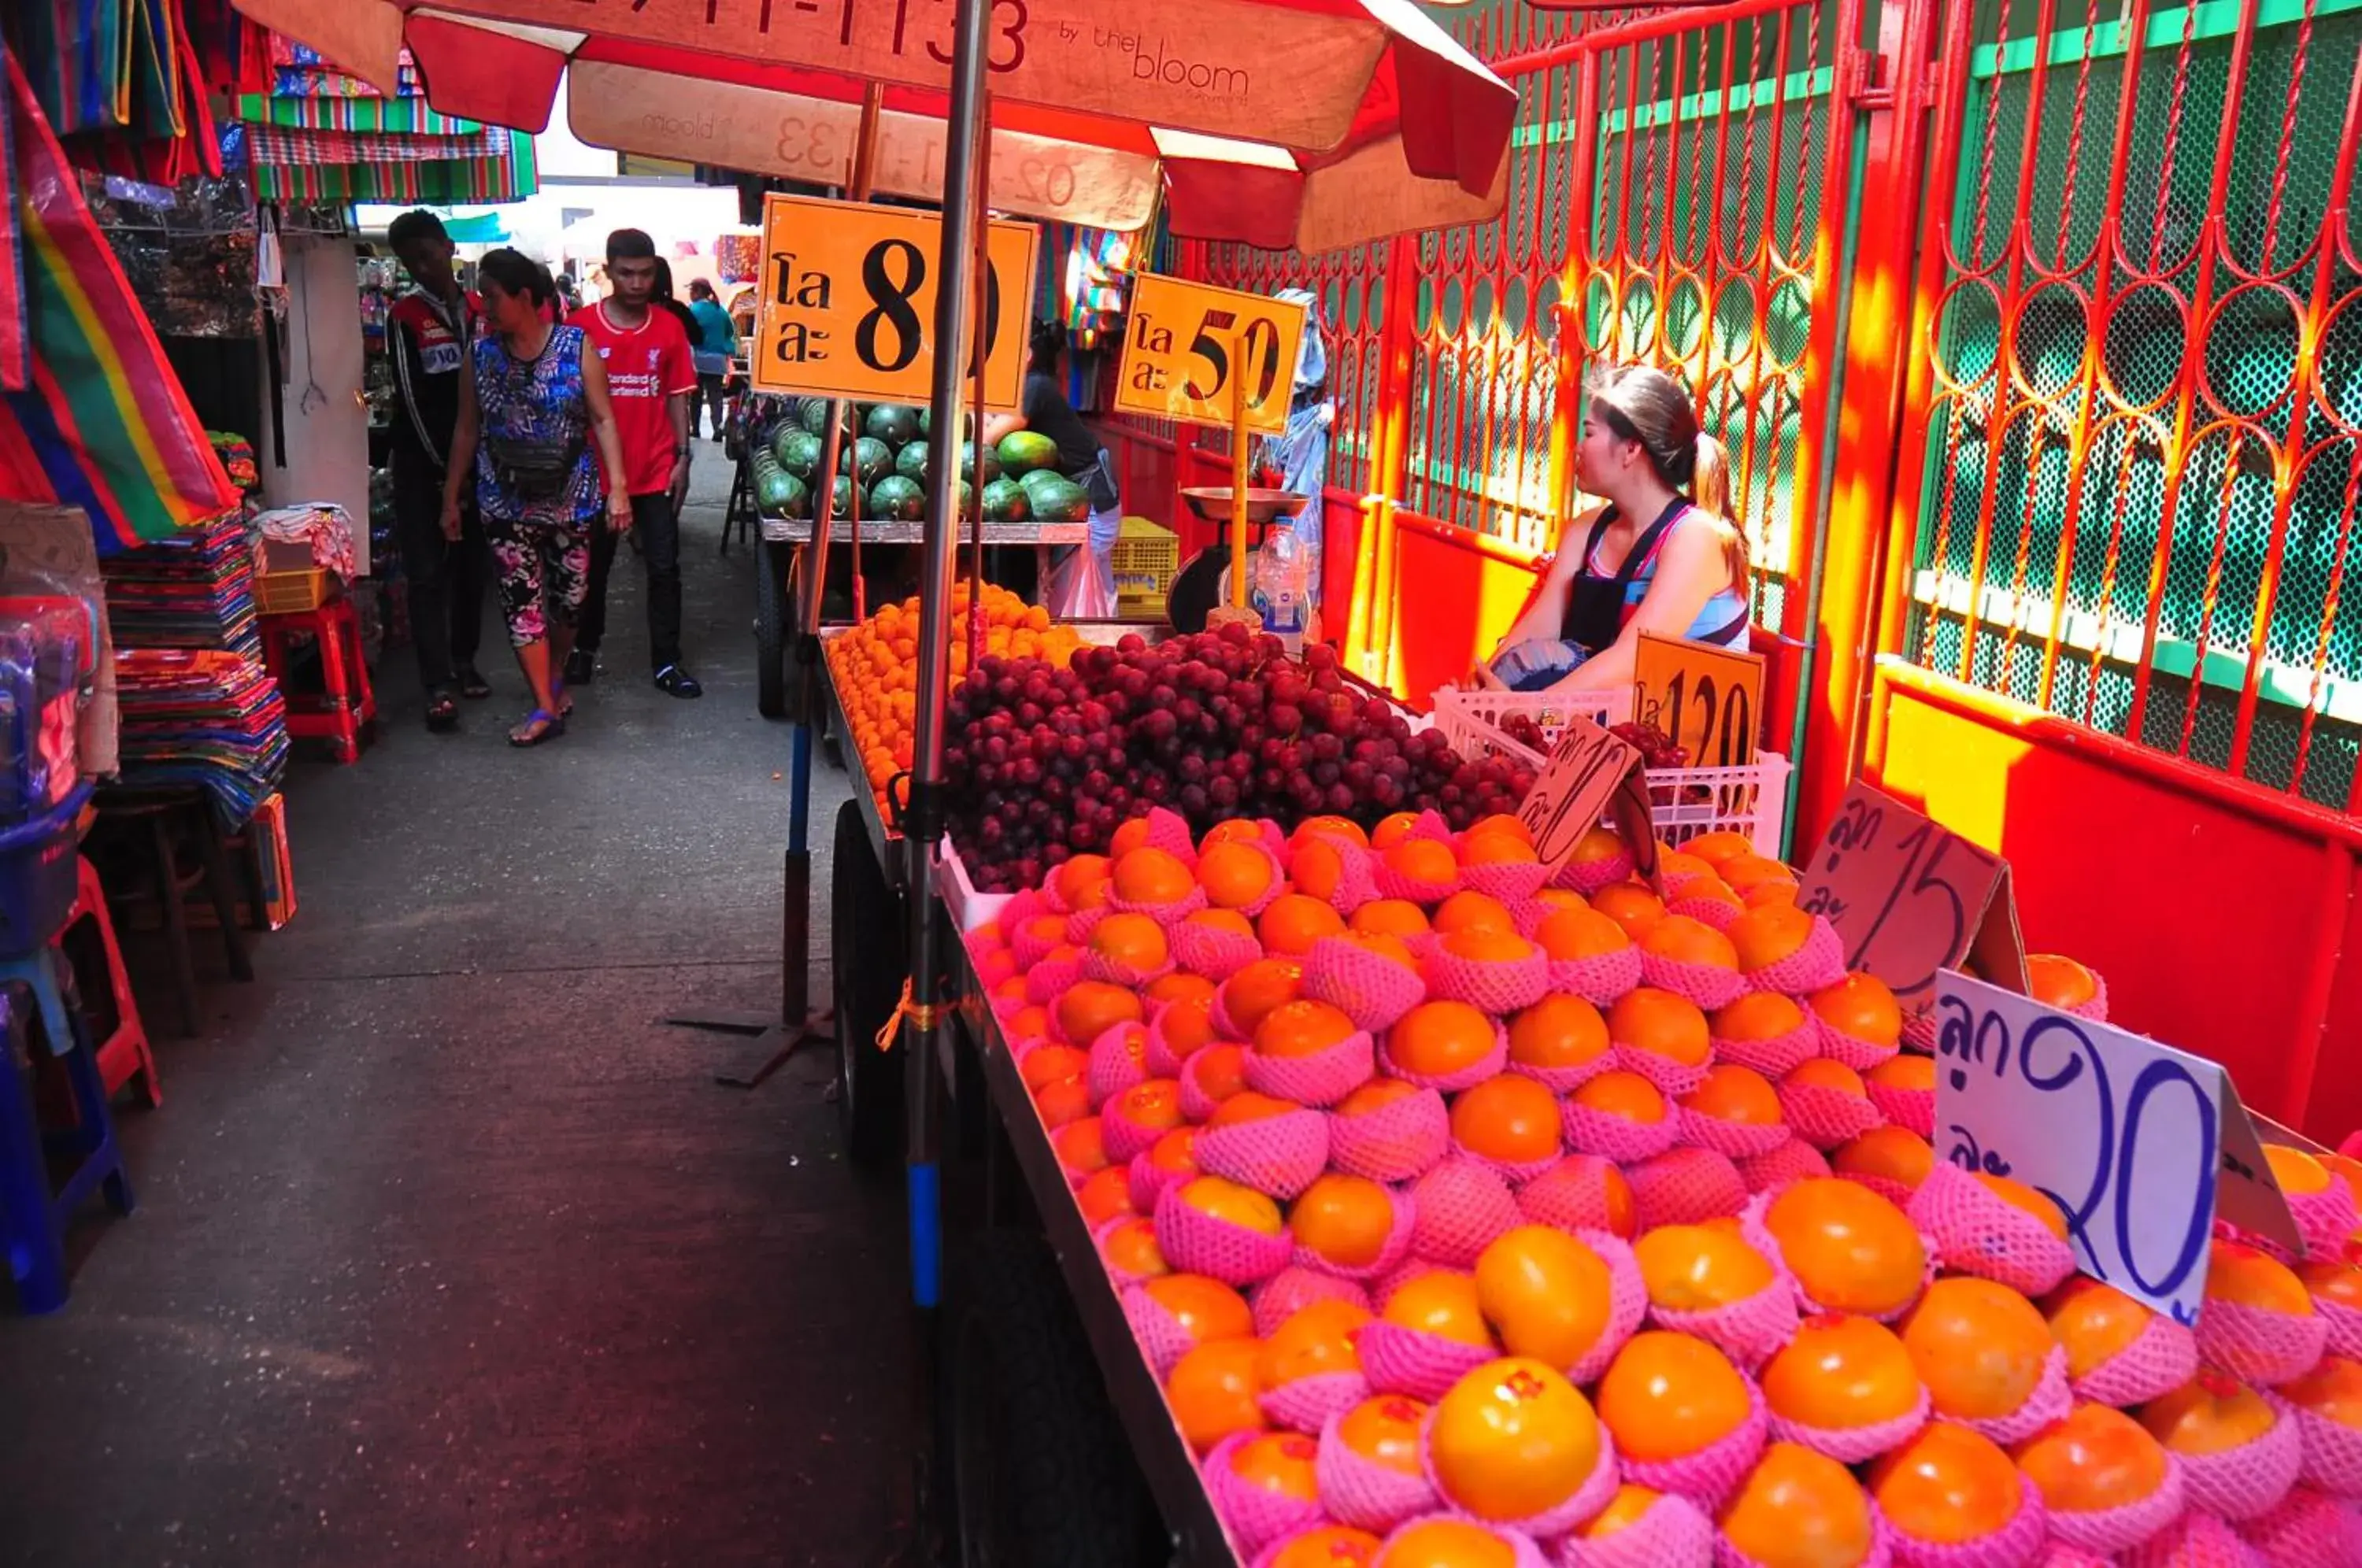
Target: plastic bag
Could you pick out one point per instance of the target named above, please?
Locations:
(1082, 587)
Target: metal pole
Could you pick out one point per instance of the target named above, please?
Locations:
(795, 934)
(923, 824)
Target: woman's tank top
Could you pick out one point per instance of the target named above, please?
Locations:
(1599, 603)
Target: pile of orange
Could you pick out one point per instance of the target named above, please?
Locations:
(1546, 1377)
(875, 665)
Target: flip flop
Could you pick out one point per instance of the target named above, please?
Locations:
(551, 725)
(472, 684)
(557, 695)
(442, 712)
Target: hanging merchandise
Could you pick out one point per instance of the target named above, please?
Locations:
(105, 425)
(1297, 459)
(188, 251)
(1098, 266)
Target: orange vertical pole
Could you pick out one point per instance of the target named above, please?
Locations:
(1389, 449)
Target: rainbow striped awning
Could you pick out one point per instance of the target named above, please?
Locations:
(103, 424)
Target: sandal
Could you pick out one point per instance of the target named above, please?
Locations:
(524, 735)
(557, 695)
(472, 684)
(442, 712)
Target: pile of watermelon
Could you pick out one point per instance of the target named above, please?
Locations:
(884, 450)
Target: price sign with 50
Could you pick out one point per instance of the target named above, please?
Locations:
(1191, 350)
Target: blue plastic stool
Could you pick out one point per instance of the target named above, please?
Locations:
(33, 1217)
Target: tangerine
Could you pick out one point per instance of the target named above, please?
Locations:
(1849, 1248)
(1501, 823)
(1660, 1023)
(1947, 1485)
(1445, 1543)
(1248, 1104)
(1598, 846)
(1824, 1071)
(1511, 1440)
(1627, 1508)
(1376, 1095)
(2334, 1279)
(1152, 1105)
(1230, 921)
(1385, 1430)
(1236, 830)
(1069, 1100)
(1188, 1023)
(1076, 874)
(1547, 1294)
(2055, 980)
(1345, 1220)
(1203, 1307)
(1130, 1248)
(1314, 1340)
(1422, 860)
(1390, 917)
(1227, 1200)
(1981, 1348)
(1128, 836)
(1080, 1147)
(1799, 1509)
(1497, 849)
(1176, 1152)
(1392, 830)
(1325, 1546)
(1442, 1302)
(2094, 1323)
(1133, 940)
(1909, 1073)
(2017, 1195)
(1839, 1372)
(1257, 988)
(1212, 1391)
(2092, 1460)
(1558, 1032)
(1510, 1119)
(1029, 1022)
(1621, 1093)
(1736, 1094)
(1342, 828)
(2331, 1391)
(1572, 933)
(1480, 945)
(1666, 1397)
(1436, 1039)
(1151, 876)
(1894, 1153)
(1720, 847)
(1295, 921)
(1180, 986)
(1682, 939)
(2211, 1413)
(1474, 911)
(1631, 906)
(1051, 1063)
(1759, 1016)
(1861, 1007)
(1317, 867)
(1235, 874)
(1675, 866)
(1301, 1029)
(2236, 1271)
(1279, 1463)
(1389, 948)
(1765, 935)
(1697, 1268)
(1104, 1194)
(1218, 1071)
(2298, 1173)
(1089, 1009)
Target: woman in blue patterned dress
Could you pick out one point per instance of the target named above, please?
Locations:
(528, 413)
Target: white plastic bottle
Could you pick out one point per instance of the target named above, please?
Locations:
(1281, 582)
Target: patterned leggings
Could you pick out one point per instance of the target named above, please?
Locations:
(542, 561)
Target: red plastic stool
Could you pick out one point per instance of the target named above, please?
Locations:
(345, 705)
(125, 1053)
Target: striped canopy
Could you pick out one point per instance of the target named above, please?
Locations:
(1303, 123)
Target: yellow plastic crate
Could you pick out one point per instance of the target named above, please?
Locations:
(1146, 558)
(287, 592)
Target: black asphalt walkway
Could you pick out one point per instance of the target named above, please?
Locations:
(448, 1251)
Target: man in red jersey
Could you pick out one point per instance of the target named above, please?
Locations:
(651, 376)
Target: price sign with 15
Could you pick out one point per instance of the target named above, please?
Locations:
(2140, 1146)
(1191, 350)
(848, 302)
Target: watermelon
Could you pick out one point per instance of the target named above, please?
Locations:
(840, 497)
(793, 497)
(813, 417)
(892, 423)
(1058, 500)
(1033, 479)
(1005, 500)
(1021, 450)
(798, 450)
(897, 498)
(868, 456)
(967, 463)
(910, 462)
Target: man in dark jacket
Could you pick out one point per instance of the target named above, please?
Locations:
(429, 333)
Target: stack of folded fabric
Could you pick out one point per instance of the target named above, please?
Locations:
(193, 591)
(202, 717)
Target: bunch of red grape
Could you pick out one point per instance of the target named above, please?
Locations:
(1656, 747)
(1044, 762)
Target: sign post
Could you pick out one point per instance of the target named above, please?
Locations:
(2141, 1147)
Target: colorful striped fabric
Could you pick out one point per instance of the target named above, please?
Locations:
(439, 183)
(105, 425)
(79, 52)
(16, 326)
(379, 116)
(276, 144)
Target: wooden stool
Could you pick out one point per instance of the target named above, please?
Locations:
(33, 1214)
(172, 818)
(345, 705)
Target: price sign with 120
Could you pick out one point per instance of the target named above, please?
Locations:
(1909, 896)
(1705, 699)
(1191, 348)
(848, 302)
(2140, 1146)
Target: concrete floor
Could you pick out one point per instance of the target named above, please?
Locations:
(448, 1251)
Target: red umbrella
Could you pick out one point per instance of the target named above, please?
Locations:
(1310, 124)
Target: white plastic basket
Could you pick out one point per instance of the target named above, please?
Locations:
(1684, 802)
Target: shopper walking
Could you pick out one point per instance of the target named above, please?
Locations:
(432, 328)
(650, 375)
(1659, 556)
(530, 411)
(715, 343)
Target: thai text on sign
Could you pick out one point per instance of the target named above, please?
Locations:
(1190, 349)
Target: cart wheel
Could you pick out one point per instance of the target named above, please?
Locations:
(1039, 1472)
(865, 967)
(770, 629)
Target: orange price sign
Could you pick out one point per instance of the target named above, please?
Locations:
(848, 302)
(1707, 700)
(1191, 349)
